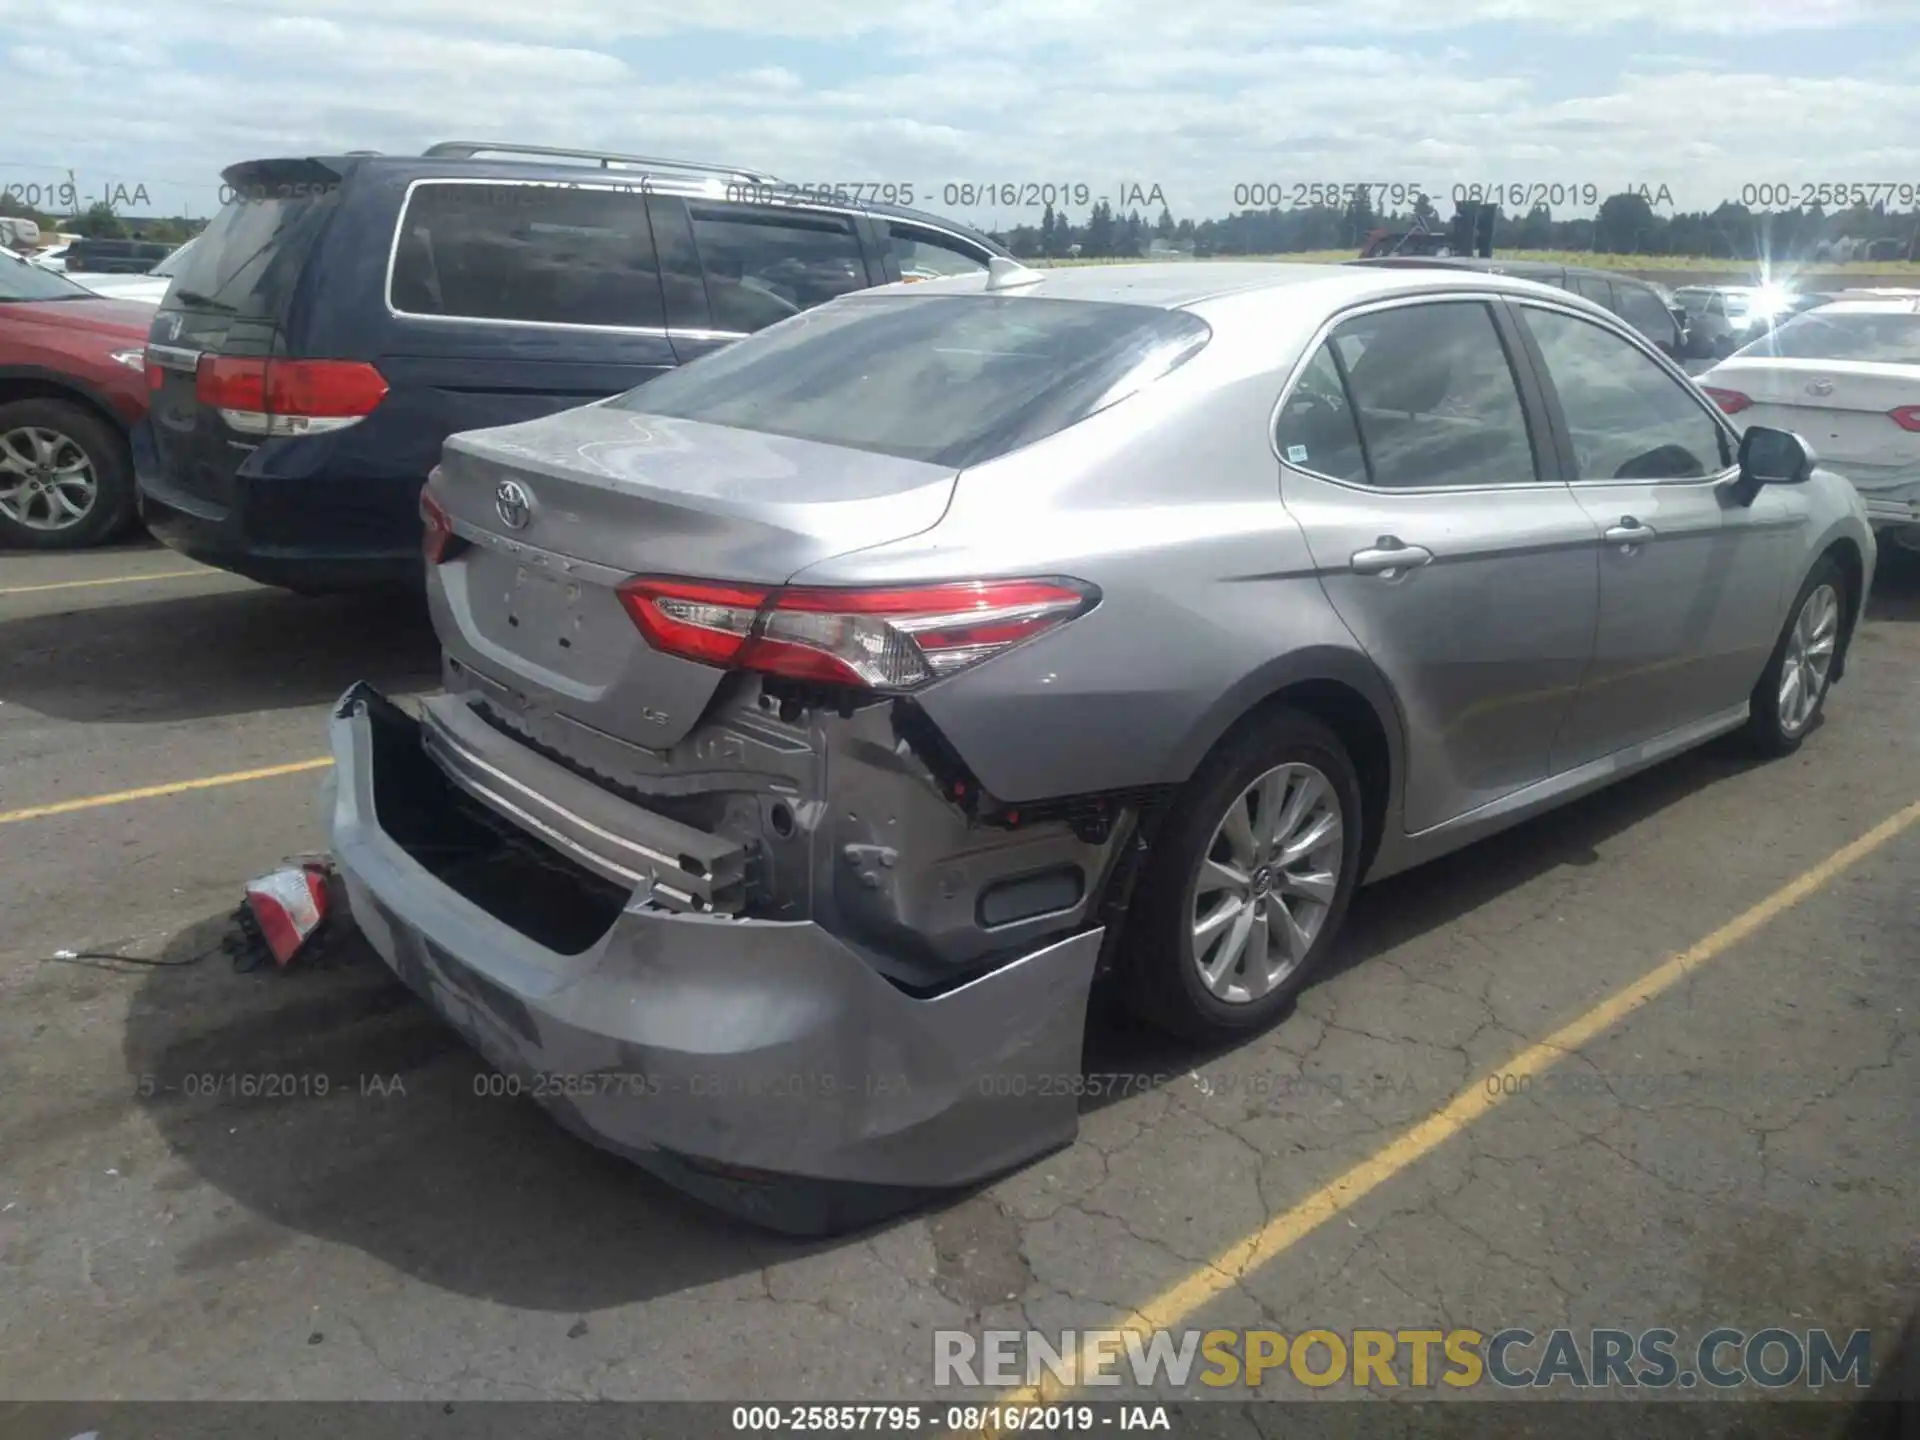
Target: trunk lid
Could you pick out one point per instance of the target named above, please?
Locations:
(230, 296)
(1840, 407)
(609, 494)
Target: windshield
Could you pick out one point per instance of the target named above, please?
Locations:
(949, 379)
(1883, 338)
(23, 280)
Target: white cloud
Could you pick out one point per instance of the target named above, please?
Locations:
(1194, 96)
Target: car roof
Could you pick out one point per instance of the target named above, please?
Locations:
(684, 184)
(1881, 305)
(1174, 285)
(1497, 266)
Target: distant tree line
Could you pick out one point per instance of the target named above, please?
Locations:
(100, 221)
(1626, 224)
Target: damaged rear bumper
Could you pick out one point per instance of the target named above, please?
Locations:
(763, 1065)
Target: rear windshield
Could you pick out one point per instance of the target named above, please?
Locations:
(246, 261)
(949, 379)
(1889, 339)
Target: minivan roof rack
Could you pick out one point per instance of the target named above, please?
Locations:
(468, 149)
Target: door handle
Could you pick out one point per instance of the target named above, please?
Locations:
(1388, 556)
(1628, 533)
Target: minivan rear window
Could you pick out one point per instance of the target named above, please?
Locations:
(247, 261)
(950, 379)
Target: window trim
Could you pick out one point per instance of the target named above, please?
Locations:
(400, 226)
(1532, 399)
(1556, 415)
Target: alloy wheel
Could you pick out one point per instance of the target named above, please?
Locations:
(46, 480)
(1267, 882)
(1809, 658)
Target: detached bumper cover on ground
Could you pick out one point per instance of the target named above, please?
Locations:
(702, 1046)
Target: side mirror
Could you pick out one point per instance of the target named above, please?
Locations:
(1773, 457)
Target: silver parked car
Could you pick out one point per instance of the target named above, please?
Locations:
(819, 718)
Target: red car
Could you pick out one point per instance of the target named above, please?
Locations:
(72, 384)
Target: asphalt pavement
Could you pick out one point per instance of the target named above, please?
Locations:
(1736, 1142)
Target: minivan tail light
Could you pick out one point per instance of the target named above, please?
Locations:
(888, 639)
(288, 397)
(1730, 401)
(1907, 417)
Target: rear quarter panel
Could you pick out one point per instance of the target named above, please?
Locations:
(1170, 502)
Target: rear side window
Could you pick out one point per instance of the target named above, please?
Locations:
(539, 254)
(926, 256)
(950, 379)
(1436, 397)
(762, 267)
(1317, 430)
(247, 261)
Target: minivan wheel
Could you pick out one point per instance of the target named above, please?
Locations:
(1247, 882)
(66, 479)
(1793, 687)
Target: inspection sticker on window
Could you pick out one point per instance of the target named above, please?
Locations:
(1297, 454)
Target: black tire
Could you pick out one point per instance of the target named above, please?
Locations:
(112, 509)
(1768, 731)
(1159, 977)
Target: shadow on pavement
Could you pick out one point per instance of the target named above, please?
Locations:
(1896, 584)
(196, 656)
(1428, 898)
(384, 1139)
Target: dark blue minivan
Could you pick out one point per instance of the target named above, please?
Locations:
(343, 315)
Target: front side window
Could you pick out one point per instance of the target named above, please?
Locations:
(1627, 417)
(551, 254)
(1642, 310)
(762, 267)
(1591, 287)
(1435, 397)
(926, 256)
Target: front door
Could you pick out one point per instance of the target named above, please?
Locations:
(1689, 577)
(1411, 464)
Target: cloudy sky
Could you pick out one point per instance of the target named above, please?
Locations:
(1197, 96)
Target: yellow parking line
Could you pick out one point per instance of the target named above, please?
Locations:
(110, 580)
(150, 792)
(1231, 1265)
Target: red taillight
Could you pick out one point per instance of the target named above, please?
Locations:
(1907, 417)
(437, 539)
(156, 376)
(890, 639)
(1731, 401)
(288, 397)
(693, 619)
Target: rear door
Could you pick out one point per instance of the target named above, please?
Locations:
(733, 269)
(1690, 579)
(1446, 541)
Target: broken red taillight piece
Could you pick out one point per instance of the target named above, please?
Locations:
(289, 906)
(1731, 402)
(888, 638)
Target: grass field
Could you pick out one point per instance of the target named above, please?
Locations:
(1637, 263)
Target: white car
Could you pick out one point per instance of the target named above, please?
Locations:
(1846, 378)
(147, 289)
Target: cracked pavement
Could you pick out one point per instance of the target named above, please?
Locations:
(1744, 1150)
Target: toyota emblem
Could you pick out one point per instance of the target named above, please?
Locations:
(514, 504)
(1820, 387)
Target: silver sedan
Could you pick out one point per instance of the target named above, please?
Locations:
(822, 717)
